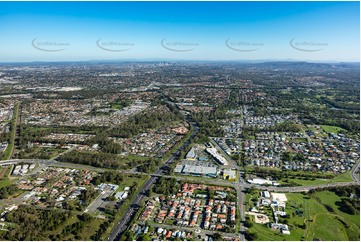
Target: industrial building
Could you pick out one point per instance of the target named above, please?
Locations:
(196, 170)
(218, 157)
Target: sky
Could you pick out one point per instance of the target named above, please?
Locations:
(224, 31)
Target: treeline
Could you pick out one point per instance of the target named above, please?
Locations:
(32, 223)
(166, 186)
(97, 159)
(337, 103)
(8, 191)
(36, 134)
(281, 174)
(109, 160)
(350, 206)
(350, 203)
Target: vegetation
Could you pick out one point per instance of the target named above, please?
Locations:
(8, 191)
(97, 159)
(332, 129)
(75, 228)
(166, 186)
(11, 140)
(106, 145)
(311, 215)
(139, 123)
(32, 223)
(4, 176)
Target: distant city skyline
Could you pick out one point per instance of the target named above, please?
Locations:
(199, 31)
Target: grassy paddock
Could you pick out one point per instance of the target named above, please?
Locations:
(4, 176)
(344, 177)
(332, 129)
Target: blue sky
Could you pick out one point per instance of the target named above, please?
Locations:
(53, 31)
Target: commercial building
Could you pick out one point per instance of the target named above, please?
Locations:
(199, 170)
(191, 155)
(218, 157)
(229, 174)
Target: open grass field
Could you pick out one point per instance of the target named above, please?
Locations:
(129, 180)
(344, 177)
(320, 224)
(332, 129)
(4, 176)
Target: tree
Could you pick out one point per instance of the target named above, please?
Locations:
(217, 237)
(250, 235)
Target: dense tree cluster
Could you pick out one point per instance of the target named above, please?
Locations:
(102, 228)
(250, 235)
(141, 122)
(32, 223)
(120, 103)
(109, 177)
(106, 145)
(208, 126)
(150, 166)
(97, 159)
(166, 186)
(248, 223)
(8, 191)
(75, 228)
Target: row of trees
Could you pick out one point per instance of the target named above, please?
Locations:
(97, 159)
(280, 174)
